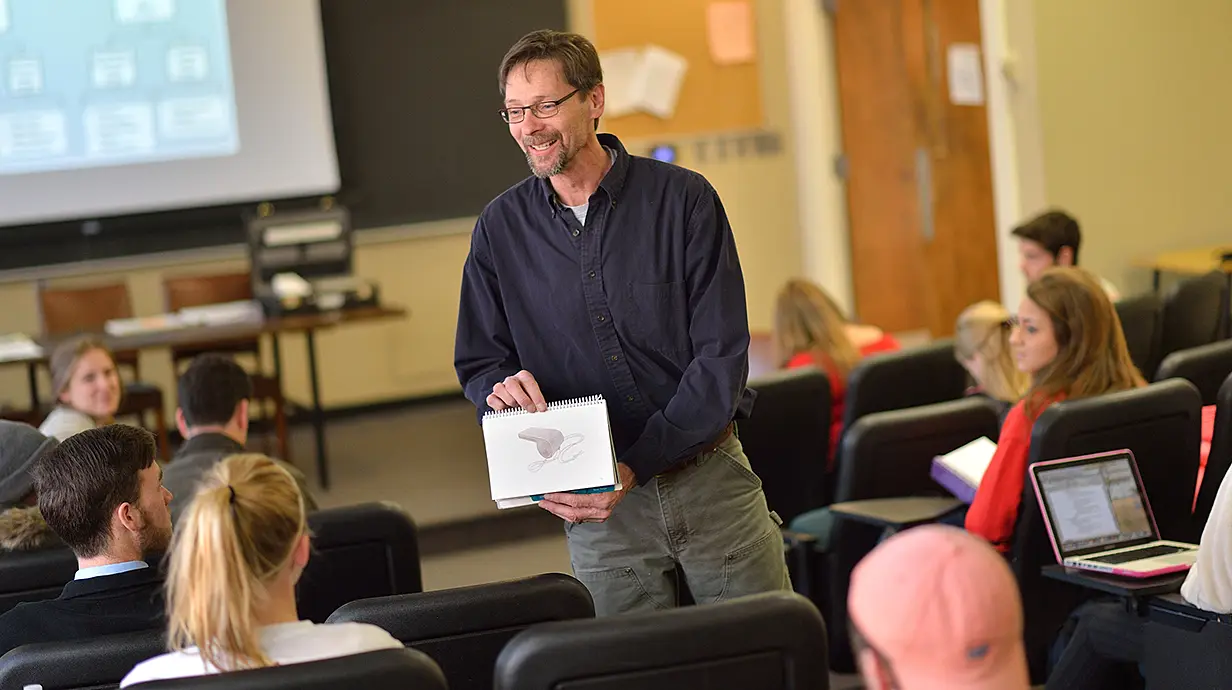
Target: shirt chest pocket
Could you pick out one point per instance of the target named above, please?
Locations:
(659, 316)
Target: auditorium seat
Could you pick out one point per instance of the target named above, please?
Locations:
(1140, 318)
(1186, 647)
(34, 575)
(1205, 366)
(773, 641)
(889, 455)
(787, 439)
(1220, 457)
(1195, 312)
(195, 291)
(465, 629)
(1160, 424)
(388, 669)
(76, 311)
(358, 552)
(90, 664)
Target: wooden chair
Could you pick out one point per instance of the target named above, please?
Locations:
(195, 291)
(73, 311)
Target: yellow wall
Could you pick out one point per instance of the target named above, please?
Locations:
(414, 357)
(1134, 98)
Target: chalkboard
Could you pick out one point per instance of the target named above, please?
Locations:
(414, 97)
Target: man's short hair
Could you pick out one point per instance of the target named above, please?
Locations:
(1052, 230)
(576, 55)
(211, 388)
(82, 481)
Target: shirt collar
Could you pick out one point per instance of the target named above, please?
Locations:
(613, 182)
(109, 569)
(209, 441)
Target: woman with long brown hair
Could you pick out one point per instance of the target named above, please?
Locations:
(1068, 339)
(811, 330)
(235, 558)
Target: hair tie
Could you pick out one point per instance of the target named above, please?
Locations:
(232, 489)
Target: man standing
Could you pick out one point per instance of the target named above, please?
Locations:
(607, 273)
(101, 492)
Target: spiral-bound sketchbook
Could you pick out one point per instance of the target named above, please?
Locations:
(566, 448)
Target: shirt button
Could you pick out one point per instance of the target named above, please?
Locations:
(615, 357)
(629, 398)
(602, 318)
(576, 232)
(591, 274)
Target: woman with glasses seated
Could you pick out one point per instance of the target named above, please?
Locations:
(235, 558)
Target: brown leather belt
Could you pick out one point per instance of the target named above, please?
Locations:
(707, 449)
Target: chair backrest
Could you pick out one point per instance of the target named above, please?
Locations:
(194, 291)
(1140, 321)
(889, 455)
(465, 629)
(765, 641)
(388, 669)
(34, 575)
(1205, 366)
(897, 380)
(93, 664)
(1161, 425)
(1195, 312)
(1220, 457)
(70, 311)
(787, 439)
(358, 552)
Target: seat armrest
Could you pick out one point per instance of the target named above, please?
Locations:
(896, 514)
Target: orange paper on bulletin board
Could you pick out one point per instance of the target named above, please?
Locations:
(713, 97)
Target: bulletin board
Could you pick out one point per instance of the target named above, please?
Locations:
(713, 97)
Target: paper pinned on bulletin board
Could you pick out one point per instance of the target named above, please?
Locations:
(965, 75)
(646, 79)
(730, 33)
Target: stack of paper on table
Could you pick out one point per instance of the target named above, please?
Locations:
(16, 346)
(960, 471)
(566, 448)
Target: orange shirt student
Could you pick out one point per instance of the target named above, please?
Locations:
(810, 330)
(1068, 339)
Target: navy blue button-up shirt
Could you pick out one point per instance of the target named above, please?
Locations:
(644, 304)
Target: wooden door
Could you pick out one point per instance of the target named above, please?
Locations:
(919, 179)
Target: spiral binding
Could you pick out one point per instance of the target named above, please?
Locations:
(558, 405)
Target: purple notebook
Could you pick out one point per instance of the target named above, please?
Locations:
(952, 482)
(961, 470)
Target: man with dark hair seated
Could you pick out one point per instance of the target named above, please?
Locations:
(22, 527)
(101, 493)
(1052, 239)
(213, 419)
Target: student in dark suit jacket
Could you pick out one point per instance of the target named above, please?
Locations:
(101, 492)
(214, 394)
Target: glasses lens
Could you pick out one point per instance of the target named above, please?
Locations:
(513, 115)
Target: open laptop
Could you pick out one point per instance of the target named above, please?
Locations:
(1098, 517)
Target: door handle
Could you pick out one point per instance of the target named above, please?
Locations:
(924, 192)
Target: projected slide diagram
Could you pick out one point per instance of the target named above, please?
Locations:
(90, 83)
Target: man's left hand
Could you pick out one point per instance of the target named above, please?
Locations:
(589, 507)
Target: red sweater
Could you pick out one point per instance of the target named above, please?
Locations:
(995, 508)
(838, 384)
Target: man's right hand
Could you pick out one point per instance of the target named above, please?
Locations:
(520, 390)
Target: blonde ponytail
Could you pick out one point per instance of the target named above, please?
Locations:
(240, 531)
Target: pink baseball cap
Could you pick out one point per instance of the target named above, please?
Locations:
(943, 609)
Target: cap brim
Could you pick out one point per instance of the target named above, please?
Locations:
(1010, 675)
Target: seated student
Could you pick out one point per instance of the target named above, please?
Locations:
(934, 607)
(236, 556)
(212, 417)
(1068, 339)
(810, 330)
(100, 492)
(1052, 239)
(1108, 636)
(982, 346)
(87, 388)
(22, 527)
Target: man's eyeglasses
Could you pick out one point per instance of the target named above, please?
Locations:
(541, 110)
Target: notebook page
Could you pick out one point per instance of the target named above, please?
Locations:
(970, 461)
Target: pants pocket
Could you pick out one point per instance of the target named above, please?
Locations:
(617, 590)
(755, 567)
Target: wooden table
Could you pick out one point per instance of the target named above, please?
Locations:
(1190, 262)
(308, 324)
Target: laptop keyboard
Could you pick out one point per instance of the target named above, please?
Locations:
(1138, 554)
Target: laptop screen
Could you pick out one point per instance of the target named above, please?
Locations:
(1094, 504)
